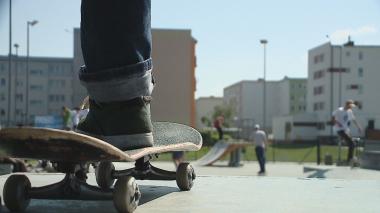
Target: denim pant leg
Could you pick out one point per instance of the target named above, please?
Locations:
(116, 44)
(260, 157)
(350, 144)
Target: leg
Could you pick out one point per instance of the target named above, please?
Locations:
(350, 144)
(220, 133)
(259, 157)
(116, 45)
(263, 160)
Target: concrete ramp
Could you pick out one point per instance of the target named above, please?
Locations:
(218, 151)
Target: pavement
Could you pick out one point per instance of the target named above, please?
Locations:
(288, 187)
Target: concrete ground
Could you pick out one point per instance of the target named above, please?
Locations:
(287, 187)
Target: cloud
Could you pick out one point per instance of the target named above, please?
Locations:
(341, 35)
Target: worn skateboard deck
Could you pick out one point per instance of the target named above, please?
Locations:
(69, 146)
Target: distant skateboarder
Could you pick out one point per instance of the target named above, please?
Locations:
(218, 126)
(341, 119)
(260, 139)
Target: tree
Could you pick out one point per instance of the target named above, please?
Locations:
(225, 111)
(206, 121)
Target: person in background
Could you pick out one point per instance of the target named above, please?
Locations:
(75, 117)
(67, 118)
(260, 140)
(218, 123)
(342, 118)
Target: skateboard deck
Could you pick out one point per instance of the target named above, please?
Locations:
(69, 146)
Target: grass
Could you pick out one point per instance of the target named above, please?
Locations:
(298, 153)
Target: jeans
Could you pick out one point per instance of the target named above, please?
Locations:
(116, 43)
(260, 154)
(220, 132)
(349, 142)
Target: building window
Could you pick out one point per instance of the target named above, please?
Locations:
(56, 98)
(2, 112)
(352, 87)
(35, 102)
(2, 97)
(319, 58)
(318, 90)
(319, 74)
(36, 87)
(2, 82)
(348, 54)
(36, 72)
(19, 83)
(360, 72)
(19, 97)
(318, 106)
(360, 56)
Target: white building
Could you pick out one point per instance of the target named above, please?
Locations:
(337, 73)
(284, 97)
(205, 109)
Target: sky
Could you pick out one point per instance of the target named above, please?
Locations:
(228, 32)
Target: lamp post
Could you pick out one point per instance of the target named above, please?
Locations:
(264, 43)
(16, 46)
(10, 65)
(28, 24)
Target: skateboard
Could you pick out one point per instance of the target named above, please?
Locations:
(73, 153)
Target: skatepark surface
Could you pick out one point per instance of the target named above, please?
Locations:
(287, 187)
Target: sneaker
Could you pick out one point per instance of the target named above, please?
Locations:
(124, 124)
(261, 173)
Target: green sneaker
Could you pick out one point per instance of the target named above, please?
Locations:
(124, 124)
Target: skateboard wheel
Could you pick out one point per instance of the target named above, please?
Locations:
(126, 195)
(16, 193)
(103, 174)
(185, 176)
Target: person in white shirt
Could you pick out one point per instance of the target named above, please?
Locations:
(260, 140)
(342, 118)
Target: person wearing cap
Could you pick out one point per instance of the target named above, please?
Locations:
(341, 119)
(260, 139)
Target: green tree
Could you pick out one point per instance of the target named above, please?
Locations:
(206, 121)
(227, 112)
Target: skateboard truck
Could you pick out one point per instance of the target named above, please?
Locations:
(144, 170)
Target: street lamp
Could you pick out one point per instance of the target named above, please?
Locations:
(28, 24)
(16, 46)
(9, 65)
(264, 43)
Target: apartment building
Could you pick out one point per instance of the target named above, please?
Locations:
(284, 97)
(340, 72)
(50, 88)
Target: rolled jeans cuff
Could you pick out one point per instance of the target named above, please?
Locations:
(119, 84)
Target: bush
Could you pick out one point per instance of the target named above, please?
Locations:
(211, 137)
